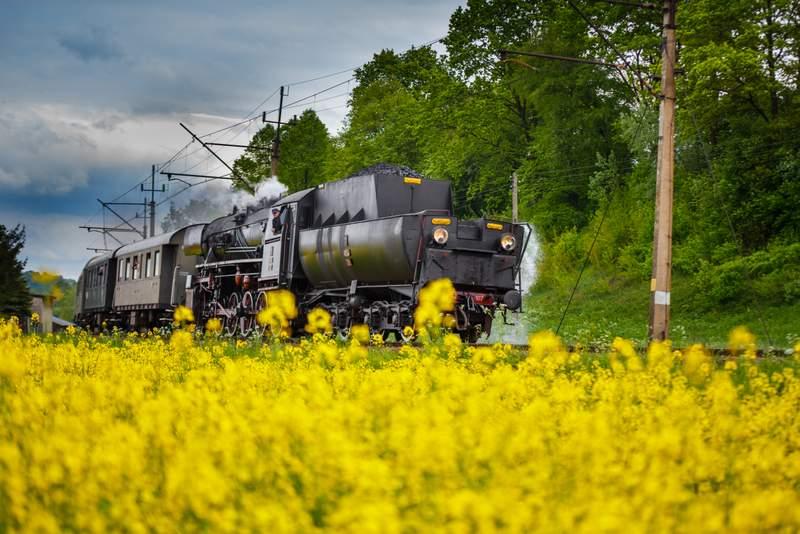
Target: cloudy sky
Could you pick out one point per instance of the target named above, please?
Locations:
(92, 92)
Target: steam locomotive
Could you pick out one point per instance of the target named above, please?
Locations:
(361, 247)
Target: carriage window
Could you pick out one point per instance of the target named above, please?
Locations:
(120, 269)
(148, 266)
(100, 273)
(127, 268)
(136, 267)
(157, 266)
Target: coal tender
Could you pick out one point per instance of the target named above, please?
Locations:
(362, 248)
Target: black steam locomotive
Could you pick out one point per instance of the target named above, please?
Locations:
(361, 247)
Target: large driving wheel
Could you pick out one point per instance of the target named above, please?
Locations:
(232, 314)
(247, 319)
(471, 334)
(261, 303)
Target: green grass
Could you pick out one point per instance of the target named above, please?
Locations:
(603, 309)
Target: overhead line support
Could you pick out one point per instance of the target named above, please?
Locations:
(107, 205)
(643, 5)
(205, 145)
(171, 174)
(276, 144)
(555, 57)
(152, 190)
(661, 281)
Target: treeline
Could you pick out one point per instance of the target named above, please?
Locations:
(582, 138)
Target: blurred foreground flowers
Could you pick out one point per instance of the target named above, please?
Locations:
(143, 433)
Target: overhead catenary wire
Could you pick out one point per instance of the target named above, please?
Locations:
(602, 35)
(249, 119)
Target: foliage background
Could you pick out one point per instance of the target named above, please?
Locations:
(583, 140)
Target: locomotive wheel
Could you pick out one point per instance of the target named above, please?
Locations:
(231, 315)
(343, 333)
(386, 335)
(261, 303)
(471, 334)
(407, 338)
(248, 318)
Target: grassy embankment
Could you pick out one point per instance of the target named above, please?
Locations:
(603, 309)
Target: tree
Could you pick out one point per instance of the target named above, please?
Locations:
(15, 299)
(305, 147)
(254, 166)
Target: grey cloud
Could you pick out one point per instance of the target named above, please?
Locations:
(95, 44)
(42, 156)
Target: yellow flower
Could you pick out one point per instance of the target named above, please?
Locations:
(452, 342)
(697, 364)
(483, 356)
(318, 320)
(544, 343)
(625, 348)
(56, 293)
(355, 352)
(439, 294)
(183, 315)
(427, 316)
(181, 340)
(408, 332)
(274, 318)
(138, 433)
(213, 326)
(283, 300)
(35, 317)
(360, 332)
(741, 339)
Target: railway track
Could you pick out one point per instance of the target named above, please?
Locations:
(716, 352)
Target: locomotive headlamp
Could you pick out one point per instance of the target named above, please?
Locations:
(440, 235)
(508, 242)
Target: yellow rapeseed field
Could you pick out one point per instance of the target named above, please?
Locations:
(193, 432)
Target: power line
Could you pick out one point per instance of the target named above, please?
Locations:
(351, 69)
(249, 118)
(608, 42)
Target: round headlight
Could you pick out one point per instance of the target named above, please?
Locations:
(440, 235)
(508, 242)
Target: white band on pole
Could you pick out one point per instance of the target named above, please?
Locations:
(661, 297)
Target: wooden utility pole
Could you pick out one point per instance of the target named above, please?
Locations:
(661, 281)
(514, 198)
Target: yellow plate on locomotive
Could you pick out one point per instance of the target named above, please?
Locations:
(412, 180)
(438, 220)
(494, 226)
